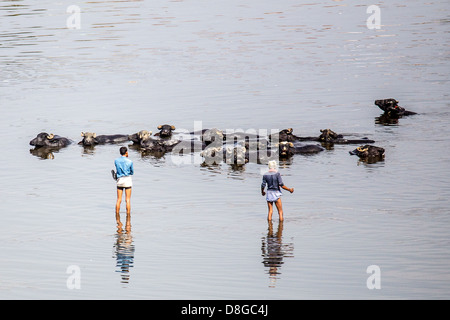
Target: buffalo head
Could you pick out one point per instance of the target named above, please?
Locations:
(89, 139)
(165, 130)
(44, 139)
(328, 135)
(387, 104)
(140, 136)
(368, 151)
(285, 149)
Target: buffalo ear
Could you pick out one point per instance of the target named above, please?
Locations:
(291, 144)
(159, 127)
(172, 127)
(82, 134)
(290, 130)
(94, 135)
(50, 136)
(322, 130)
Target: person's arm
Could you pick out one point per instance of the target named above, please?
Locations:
(281, 184)
(263, 185)
(116, 164)
(131, 169)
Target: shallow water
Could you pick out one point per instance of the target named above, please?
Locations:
(201, 232)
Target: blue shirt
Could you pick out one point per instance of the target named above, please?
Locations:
(124, 167)
(273, 181)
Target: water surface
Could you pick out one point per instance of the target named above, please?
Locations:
(201, 232)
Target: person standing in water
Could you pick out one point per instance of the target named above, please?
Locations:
(273, 181)
(124, 171)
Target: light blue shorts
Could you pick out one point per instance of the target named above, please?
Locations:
(273, 195)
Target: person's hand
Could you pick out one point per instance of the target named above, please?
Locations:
(291, 190)
(263, 193)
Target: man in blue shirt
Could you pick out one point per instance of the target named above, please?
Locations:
(124, 171)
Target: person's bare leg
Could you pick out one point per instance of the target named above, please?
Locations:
(280, 209)
(128, 202)
(270, 207)
(119, 200)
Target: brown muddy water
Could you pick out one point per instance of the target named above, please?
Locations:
(200, 232)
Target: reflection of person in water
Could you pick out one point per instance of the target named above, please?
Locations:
(124, 254)
(273, 251)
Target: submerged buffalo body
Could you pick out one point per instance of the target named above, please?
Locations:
(44, 139)
(232, 154)
(91, 139)
(330, 137)
(392, 109)
(287, 149)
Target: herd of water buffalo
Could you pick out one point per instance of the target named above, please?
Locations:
(217, 146)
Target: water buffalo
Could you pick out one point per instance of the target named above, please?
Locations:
(218, 136)
(155, 146)
(44, 139)
(329, 136)
(230, 154)
(236, 155)
(165, 131)
(140, 137)
(368, 152)
(212, 136)
(392, 109)
(287, 149)
(187, 146)
(284, 135)
(213, 154)
(91, 139)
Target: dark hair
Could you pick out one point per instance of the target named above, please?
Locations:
(123, 150)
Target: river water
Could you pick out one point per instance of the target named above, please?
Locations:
(200, 232)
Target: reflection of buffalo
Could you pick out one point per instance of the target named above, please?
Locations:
(392, 109)
(44, 139)
(91, 139)
(368, 152)
(44, 152)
